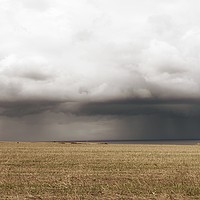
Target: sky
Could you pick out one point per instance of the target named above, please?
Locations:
(99, 69)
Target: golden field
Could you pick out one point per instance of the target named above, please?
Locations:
(99, 171)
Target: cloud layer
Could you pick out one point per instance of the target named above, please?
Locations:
(91, 59)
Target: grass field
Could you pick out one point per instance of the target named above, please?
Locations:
(99, 171)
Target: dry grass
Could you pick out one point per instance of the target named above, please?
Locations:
(99, 171)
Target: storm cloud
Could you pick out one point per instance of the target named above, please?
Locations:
(99, 70)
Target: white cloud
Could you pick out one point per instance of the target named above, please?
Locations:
(98, 50)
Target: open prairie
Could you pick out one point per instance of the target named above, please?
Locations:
(99, 171)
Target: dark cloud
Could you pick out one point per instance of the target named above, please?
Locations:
(158, 127)
(28, 107)
(102, 120)
(119, 119)
(167, 107)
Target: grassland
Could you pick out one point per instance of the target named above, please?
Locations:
(99, 171)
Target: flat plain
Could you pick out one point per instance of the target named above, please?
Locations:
(98, 171)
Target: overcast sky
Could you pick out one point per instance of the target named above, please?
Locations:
(99, 69)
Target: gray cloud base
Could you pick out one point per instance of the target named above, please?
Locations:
(100, 120)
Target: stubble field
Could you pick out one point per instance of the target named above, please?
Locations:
(99, 171)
